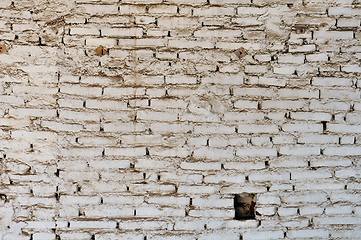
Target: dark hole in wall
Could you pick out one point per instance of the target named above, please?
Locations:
(244, 206)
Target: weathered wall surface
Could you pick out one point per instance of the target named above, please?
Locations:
(153, 139)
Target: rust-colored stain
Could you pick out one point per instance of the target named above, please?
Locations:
(2, 48)
(100, 51)
(241, 52)
(300, 30)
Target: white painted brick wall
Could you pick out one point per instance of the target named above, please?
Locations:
(153, 139)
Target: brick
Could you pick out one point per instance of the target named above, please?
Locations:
(189, 44)
(223, 79)
(330, 105)
(283, 104)
(299, 150)
(345, 128)
(308, 233)
(269, 176)
(318, 57)
(122, 32)
(92, 224)
(244, 166)
(125, 236)
(212, 213)
(243, 128)
(214, 11)
(76, 90)
(303, 48)
(351, 68)
(23, 112)
(310, 197)
(311, 116)
(342, 151)
(271, 81)
(80, 116)
(296, 59)
(255, 69)
(335, 220)
(320, 185)
(181, 80)
(261, 152)
(252, 235)
(287, 211)
(143, 42)
(320, 139)
(85, 31)
(348, 22)
(124, 127)
(331, 82)
(310, 175)
(333, 35)
(131, 152)
(332, 11)
(201, 166)
(340, 94)
(100, 9)
(336, 210)
(268, 199)
(284, 69)
(162, 9)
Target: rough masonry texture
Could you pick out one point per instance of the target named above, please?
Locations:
(151, 119)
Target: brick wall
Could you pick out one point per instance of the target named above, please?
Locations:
(155, 119)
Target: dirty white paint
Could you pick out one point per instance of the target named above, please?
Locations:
(153, 137)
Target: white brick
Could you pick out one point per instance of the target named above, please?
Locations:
(318, 57)
(317, 233)
(336, 220)
(331, 82)
(85, 31)
(299, 151)
(284, 69)
(212, 213)
(92, 224)
(303, 48)
(268, 199)
(297, 59)
(269, 176)
(332, 11)
(338, 209)
(287, 211)
(333, 35)
(130, 152)
(181, 80)
(271, 81)
(122, 32)
(245, 128)
(259, 152)
(256, 69)
(342, 151)
(43, 236)
(320, 139)
(302, 127)
(244, 166)
(253, 235)
(310, 174)
(308, 197)
(351, 68)
(228, 178)
(213, 11)
(283, 104)
(201, 166)
(311, 116)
